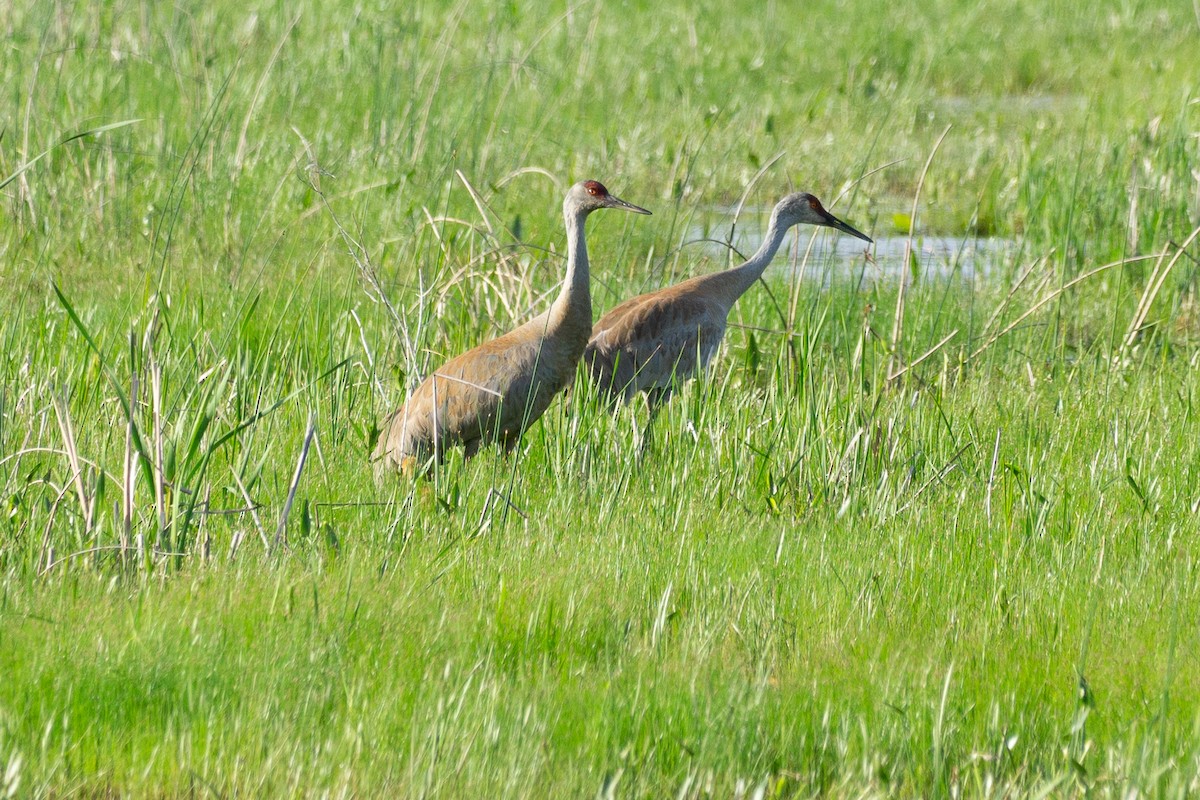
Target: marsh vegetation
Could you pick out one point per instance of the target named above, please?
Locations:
(947, 551)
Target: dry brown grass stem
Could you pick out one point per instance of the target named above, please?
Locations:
(1157, 278)
(1051, 296)
(898, 321)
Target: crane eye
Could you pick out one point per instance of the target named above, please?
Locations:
(592, 190)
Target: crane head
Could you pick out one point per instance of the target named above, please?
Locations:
(587, 196)
(803, 207)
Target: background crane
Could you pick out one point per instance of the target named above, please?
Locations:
(657, 341)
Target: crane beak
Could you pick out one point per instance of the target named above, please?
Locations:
(616, 202)
(837, 224)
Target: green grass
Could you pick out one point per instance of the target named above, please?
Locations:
(978, 579)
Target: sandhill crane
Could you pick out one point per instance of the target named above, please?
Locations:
(657, 341)
(493, 392)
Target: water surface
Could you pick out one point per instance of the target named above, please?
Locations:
(826, 256)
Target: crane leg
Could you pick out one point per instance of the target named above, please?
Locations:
(656, 398)
(471, 447)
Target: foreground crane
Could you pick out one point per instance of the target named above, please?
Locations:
(660, 340)
(493, 392)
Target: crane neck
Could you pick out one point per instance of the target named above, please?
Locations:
(575, 298)
(737, 280)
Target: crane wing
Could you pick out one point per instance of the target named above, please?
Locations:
(654, 341)
(480, 395)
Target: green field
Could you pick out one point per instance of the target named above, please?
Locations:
(952, 552)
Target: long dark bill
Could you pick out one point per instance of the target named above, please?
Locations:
(616, 202)
(844, 227)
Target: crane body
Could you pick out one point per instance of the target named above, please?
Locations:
(495, 391)
(657, 341)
